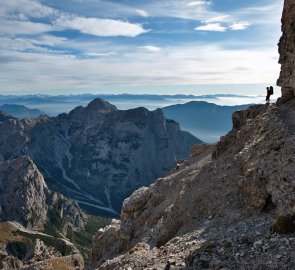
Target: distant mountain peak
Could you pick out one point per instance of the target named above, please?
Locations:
(20, 111)
(100, 105)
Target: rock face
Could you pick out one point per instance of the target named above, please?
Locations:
(287, 52)
(26, 199)
(24, 193)
(211, 211)
(39, 251)
(27, 207)
(98, 155)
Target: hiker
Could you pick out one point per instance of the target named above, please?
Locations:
(269, 91)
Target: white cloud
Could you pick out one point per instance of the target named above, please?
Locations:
(16, 16)
(142, 13)
(16, 44)
(48, 40)
(212, 64)
(215, 27)
(218, 19)
(101, 27)
(11, 45)
(184, 9)
(111, 63)
(197, 3)
(14, 27)
(239, 26)
(151, 48)
(94, 54)
(266, 15)
(24, 8)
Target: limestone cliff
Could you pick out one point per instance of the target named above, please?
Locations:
(97, 155)
(23, 193)
(287, 52)
(29, 211)
(26, 199)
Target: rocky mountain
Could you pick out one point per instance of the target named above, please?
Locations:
(223, 208)
(20, 111)
(29, 212)
(230, 206)
(97, 154)
(27, 200)
(204, 120)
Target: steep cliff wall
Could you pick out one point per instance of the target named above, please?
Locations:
(29, 212)
(26, 199)
(287, 52)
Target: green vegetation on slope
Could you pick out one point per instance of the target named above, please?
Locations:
(83, 239)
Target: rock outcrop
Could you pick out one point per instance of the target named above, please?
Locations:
(218, 204)
(38, 251)
(287, 52)
(97, 155)
(29, 210)
(26, 199)
(23, 193)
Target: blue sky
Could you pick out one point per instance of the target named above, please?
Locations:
(147, 46)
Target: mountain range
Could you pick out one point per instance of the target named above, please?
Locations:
(54, 105)
(97, 154)
(204, 120)
(229, 205)
(20, 111)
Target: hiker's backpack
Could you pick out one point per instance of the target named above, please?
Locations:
(271, 90)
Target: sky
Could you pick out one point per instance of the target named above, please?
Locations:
(147, 46)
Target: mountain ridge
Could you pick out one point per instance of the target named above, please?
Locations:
(97, 154)
(207, 121)
(20, 111)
